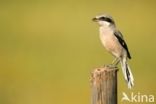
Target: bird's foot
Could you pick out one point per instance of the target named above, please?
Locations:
(111, 66)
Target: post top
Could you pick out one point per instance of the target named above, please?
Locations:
(107, 68)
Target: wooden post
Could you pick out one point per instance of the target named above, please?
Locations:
(104, 85)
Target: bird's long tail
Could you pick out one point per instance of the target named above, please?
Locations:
(127, 72)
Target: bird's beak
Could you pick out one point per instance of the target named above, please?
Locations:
(95, 19)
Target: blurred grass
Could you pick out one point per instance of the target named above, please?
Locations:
(48, 48)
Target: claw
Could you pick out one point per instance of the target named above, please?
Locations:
(111, 66)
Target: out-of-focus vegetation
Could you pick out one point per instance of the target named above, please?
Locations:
(48, 48)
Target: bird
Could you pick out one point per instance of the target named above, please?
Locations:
(113, 41)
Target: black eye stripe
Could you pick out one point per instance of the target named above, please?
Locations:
(102, 18)
(106, 19)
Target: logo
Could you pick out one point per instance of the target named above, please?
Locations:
(137, 97)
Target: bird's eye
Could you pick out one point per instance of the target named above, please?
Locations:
(102, 18)
(106, 19)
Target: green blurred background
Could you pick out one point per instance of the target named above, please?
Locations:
(49, 47)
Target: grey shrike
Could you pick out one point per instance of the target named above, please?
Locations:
(114, 43)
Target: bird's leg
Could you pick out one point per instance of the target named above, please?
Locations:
(117, 62)
(114, 61)
(113, 64)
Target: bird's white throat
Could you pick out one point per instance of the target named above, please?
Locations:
(104, 23)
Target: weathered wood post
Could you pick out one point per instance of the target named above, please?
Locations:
(104, 85)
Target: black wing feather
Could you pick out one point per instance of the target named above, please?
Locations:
(122, 42)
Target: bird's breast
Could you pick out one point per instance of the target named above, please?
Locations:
(109, 41)
(107, 38)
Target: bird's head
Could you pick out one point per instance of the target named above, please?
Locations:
(104, 20)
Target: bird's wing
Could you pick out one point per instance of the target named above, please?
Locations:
(119, 36)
